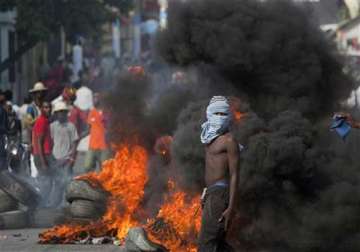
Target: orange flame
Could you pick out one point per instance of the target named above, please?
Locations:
(125, 178)
(183, 216)
(238, 115)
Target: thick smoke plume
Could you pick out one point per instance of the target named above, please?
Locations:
(299, 185)
(268, 49)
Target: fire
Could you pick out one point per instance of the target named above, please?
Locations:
(125, 178)
(237, 108)
(238, 115)
(175, 227)
(177, 223)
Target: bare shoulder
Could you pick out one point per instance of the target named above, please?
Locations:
(231, 142)
(229, 138)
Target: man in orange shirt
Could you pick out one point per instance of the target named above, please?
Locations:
(99, 150)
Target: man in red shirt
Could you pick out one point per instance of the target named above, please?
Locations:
(99, 150)
(42, 147)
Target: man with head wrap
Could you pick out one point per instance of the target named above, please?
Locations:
(221, 172)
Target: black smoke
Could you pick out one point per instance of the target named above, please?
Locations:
(299, 184)
(268, 49)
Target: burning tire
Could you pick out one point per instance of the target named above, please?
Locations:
(82, 190)
(47, 217)
(87, 209)
(137, 236)
(18, 189)
(13, 219)
(7, 203)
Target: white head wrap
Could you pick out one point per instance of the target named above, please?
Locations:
(216, 125)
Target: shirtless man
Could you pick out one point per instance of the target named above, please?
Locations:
(221, 176)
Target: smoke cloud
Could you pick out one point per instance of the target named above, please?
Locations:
(299, 184)
(268, 49)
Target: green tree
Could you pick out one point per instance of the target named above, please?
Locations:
(38, 19)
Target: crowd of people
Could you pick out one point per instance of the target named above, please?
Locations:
(48, 136)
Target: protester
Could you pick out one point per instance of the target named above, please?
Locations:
(25, 134)
(23, 108)
(64, 136)
(15, 150)
(42, 148)
(34, 109)
(76, 116)
(3, 131)
(221, 173)
(14, 124)
(98, 147)
(84, 95)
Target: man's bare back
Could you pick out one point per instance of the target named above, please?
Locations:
(217, 158)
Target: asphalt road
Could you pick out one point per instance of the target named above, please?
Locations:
(25, 240)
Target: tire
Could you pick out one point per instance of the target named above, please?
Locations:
(14, 219)
(47, 217)
(87, 209)
(131, 247)
(137, 237)
(82, 190)
(19, 189)
(7, 203)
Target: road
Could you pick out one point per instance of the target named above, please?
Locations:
(25, 240)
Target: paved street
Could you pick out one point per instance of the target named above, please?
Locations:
(24, 240)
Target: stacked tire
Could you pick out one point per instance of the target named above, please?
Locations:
(17, 197)
(87, 202)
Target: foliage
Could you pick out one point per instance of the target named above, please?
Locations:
(37, 19)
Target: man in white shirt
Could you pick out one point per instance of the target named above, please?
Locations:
(65, 137)
(84, 95)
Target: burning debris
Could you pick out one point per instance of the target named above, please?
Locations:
(124, 178)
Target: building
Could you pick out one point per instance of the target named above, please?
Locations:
(7, 45)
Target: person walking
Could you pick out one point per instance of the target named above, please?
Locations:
(64, 136)
(98, 147)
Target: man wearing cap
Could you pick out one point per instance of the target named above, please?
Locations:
(221, 176)
(32, 113)
(64, 136)
(34, 109)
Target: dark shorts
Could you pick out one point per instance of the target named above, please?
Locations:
(212, 233)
